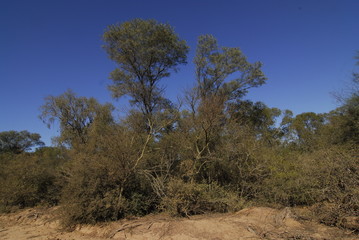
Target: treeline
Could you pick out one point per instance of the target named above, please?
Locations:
(214, 151)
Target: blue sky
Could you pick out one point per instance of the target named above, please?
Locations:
(46, 47)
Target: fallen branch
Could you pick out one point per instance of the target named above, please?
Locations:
(124, 228)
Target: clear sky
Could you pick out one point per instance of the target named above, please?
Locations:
(46, 47)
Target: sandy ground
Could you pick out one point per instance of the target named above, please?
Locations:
(250, 223)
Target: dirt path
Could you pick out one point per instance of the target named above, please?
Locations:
(38, 224)
(251, 223)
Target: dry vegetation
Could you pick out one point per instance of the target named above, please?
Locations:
(217, 153)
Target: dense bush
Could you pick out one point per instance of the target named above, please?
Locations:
(30, 179)
(90, 194)
(103, 178)
(186, 198)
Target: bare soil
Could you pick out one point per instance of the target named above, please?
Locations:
(250, 224)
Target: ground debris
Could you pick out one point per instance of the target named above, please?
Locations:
(250, 223)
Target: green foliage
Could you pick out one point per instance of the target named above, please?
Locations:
(75, 115)
(304, 130)
(145, 51)
(289, 182)
(303, 179)
(30, 179)
(258, 117)
(19, 142)
(104, 180)
(93, 192)
(344, 122)
(243, 162)
(214, 65)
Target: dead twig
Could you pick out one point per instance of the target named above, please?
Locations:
(123, 228)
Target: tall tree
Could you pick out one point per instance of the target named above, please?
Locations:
(18, 142)
(214, 90)
(257, 116)
(145, 51)
(74, 114)
(345, 119)
(304, 129)
(214, 65)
